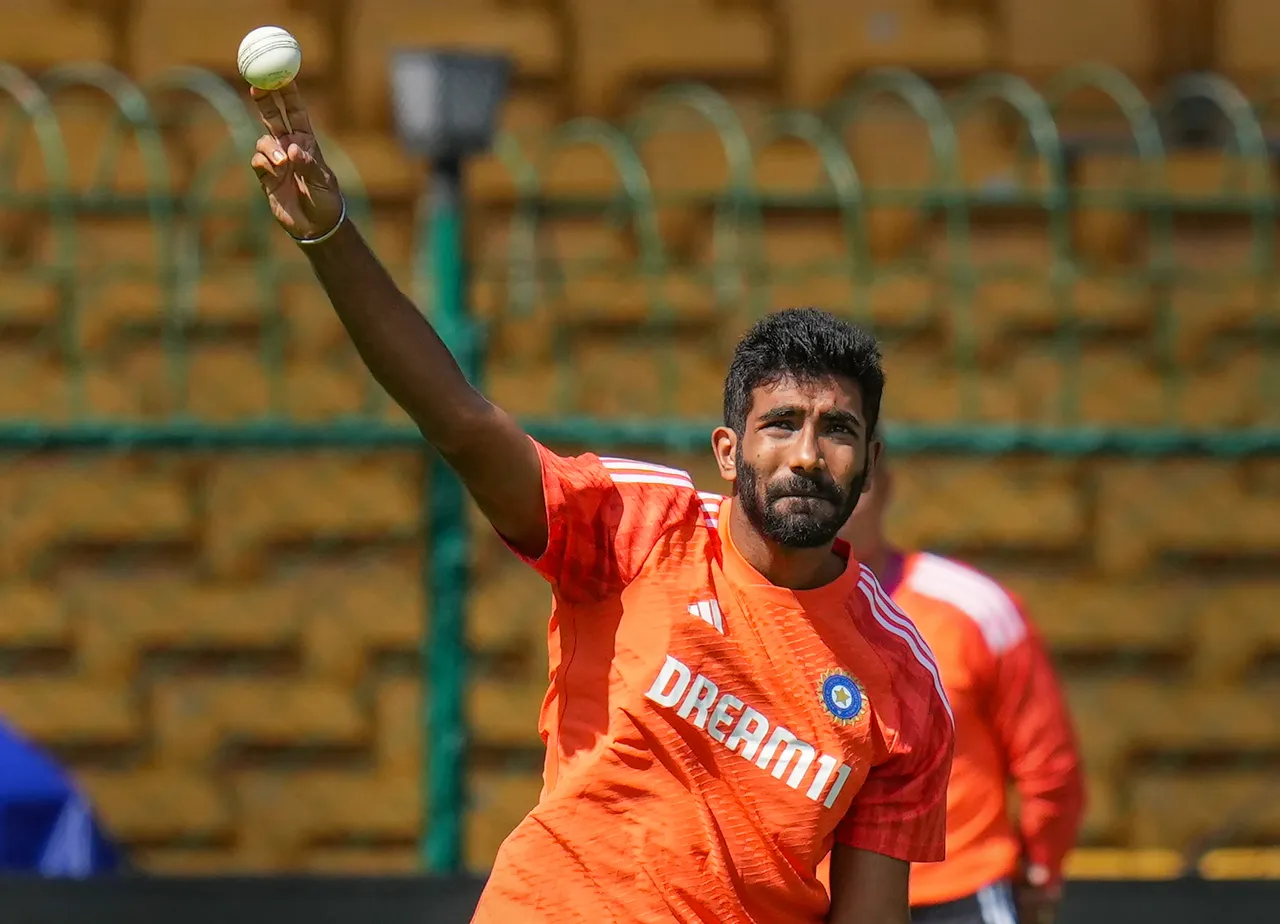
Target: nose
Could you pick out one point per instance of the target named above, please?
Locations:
(805, 455)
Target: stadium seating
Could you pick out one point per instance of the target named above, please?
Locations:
(225, 644)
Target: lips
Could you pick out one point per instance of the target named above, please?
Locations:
(820, 497)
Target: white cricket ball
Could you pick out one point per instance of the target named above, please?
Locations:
(269, 58)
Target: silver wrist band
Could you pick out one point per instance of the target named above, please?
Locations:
(342, 219)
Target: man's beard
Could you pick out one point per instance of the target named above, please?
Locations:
(815, 523)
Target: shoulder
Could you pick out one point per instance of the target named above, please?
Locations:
(912, 667)
(978, 597)
(661, 493)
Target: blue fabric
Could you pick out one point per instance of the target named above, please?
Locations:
(46, 826)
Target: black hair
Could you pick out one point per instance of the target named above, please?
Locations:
(802, 344)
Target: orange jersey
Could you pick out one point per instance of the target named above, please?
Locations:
(710, 735)
(1011, 722)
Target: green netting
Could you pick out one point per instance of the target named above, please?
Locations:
(175, 391)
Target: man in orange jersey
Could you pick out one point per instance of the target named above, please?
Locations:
(732, 695)
(1011, 725)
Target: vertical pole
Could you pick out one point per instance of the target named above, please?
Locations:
(444, 653)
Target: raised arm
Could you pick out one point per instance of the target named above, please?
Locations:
(492, 455)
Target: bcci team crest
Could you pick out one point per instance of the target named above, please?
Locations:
(843, 696)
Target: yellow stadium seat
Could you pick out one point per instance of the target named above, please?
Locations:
(181, 860)
(314, 329)
(622, 47)
(1105, 232)
(613, 375)
(33, 386)
(165, 35)
(1104, 812)
(40, 35)
(1104, 713)
(1123, 863)
(360, 613)
(830, 40)
(527, 388)
(223, 380)
(1044, 36)
(72, 503)
(70, 712)
(508, 610)
(118, 274)
(399, 721)
(1241, 863)
(530, 35)
(32, 618)
(30, 302)
(1076, 613)
(813, 261)
(1106, 371)
(257, 502)
(373, 860)
(1241, 48)
(1235, 628)
(503, 712)
(288, 811)
(156, 806)
(1177, 810)
(933, 384)
(1222, 512)
(99, 152)
(963, 504)
(1026, 285)
(499, 802)
(388, 173)
(195, 720)
(1212, 721)
(1219, 285)
(120, 620)
(1118, 719)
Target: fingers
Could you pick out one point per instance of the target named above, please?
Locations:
(307, 166)
(269, 162)
(272, 148)
(269, 103)
(268, 175)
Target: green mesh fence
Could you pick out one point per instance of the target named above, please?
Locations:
(220, 540)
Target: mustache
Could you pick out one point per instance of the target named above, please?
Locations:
(799, 486)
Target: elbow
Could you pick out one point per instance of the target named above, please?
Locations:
(463, 433)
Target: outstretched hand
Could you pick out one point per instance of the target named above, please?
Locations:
(301, 189)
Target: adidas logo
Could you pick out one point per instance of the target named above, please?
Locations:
(709, 612)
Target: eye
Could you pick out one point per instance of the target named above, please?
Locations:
(784, 425)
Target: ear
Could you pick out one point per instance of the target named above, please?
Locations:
(724, 444)
(875, 470)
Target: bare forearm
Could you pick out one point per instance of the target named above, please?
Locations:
(487, 448)
(396, 342)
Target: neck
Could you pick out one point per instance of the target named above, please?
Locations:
(794, 569)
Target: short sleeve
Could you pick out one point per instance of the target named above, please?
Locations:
(604, 517)
(900, 811)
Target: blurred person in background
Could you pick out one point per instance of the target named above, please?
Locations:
(47, 827)
(1012, 726)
